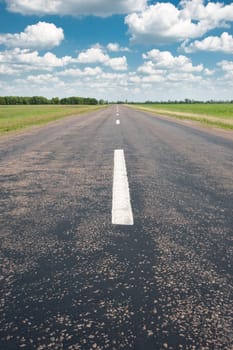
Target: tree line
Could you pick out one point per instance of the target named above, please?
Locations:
(185, 101)
(40, 100)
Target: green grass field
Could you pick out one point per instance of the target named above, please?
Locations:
(216, 115)
(19, 117)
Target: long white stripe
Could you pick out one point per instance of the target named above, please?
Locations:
(121, 207)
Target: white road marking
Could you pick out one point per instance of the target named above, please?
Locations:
(118, 122)
(121, 207)
(117, 114)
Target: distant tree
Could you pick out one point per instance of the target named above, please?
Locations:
(11, 100)
(90, 101)
(55, 101)
(63, 101)
(2, 100)
(40, 100)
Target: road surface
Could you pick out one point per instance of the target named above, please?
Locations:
(72, 278)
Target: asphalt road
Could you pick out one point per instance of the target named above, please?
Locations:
(72, 280)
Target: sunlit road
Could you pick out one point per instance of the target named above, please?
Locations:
(72, 278)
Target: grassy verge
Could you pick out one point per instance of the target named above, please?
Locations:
(215, 115)
(13, 118)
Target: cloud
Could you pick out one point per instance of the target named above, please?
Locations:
(42, 35)
(118, 63)
(76, 72)
(176, 77)
(184, 77)
(209, 72)
(163, 22)
(6, 70)
(226, 65)
(225, 78)
(97, 55)
(115, 47)
(227, 68)
(224, 43)
(93, 55)
(26, 60)
(102, 8)
(43, 79)
(165, 60)
(21, 61)
(158, 84)
(149, 68)
(153, 78)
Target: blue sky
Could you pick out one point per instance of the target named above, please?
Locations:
(127, 49)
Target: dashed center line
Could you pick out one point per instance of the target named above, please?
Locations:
(121, 206)
(118, 122)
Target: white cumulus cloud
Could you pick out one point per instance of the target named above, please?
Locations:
(149, 68)
(227, 67)
(31, 60)
(42, 35)
(115, 47)
(43, 79)
(118, 63)
(76, 72)
(97, 55)
(223, 43)
(101, 8)
(7, 70)
(165, 60)
(93, 55)
(164, 22)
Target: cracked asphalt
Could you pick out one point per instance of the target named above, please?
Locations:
(72, 280)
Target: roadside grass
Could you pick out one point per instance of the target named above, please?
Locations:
(13, 118)
(219, 115)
